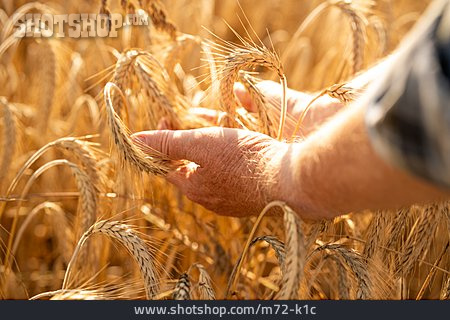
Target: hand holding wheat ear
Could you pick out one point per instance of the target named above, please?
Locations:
(320, 109)
(231, 176)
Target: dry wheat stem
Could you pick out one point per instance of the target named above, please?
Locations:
(88, 201)
(431, 273)
(9, 139)
(132, 242)
(61, 226)
(232, 281)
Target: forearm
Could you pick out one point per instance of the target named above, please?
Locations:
(336, 171)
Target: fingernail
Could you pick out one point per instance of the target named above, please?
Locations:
(138, 137)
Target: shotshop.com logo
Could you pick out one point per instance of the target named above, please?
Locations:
(76, 25)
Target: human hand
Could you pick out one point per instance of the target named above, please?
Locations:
(236, 171)
(320, 110)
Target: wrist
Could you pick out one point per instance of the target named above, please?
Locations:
(291, 183)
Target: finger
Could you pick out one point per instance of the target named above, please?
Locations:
(271, 91)
(244, 97)
(164, 124)
(189, 145)
(209, 115)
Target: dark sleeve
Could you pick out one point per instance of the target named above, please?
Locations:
(408, 116)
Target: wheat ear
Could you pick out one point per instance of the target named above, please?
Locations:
(182, 290)
(162, 106)
(132, 242)
(159, 18)
(357, 23)
(375, 234)
(48, 80)
(419, 238)
(150, 161)
(233, 58)
(204, 285)
(267, 121)
(277, 245)
(341, 92)
(295, 255)
(357, 264)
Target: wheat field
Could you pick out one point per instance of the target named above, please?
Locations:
(87, 214)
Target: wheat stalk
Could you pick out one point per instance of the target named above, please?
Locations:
(60, 226)
(419, 238)
(9, 139)
(132, 242)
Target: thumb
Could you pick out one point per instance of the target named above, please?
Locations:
(177, 145)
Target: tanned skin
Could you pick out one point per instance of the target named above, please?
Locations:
(333, 171)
